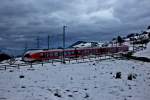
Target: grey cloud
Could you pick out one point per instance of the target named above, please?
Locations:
(86, 19)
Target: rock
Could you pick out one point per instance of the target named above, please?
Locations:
(58, 95)
(70, 95)
(132, 76)
(21, 76)
(23, 87)
(118, 75)
(11, 71)
(86, 95)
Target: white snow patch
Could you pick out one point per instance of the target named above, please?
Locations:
(83, 81)
(144, 53)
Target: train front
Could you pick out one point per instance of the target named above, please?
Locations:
(31, 56)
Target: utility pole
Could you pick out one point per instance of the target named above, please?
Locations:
(48, 41)
(38, 43)
(64, 38)
(64, 28)
(26, 47)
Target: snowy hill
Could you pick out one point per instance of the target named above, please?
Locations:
(77, 81)
(77, 43)
(144, 53)
(86, 44)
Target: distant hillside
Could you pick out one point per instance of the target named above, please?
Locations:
(4, 56)
(77, 43)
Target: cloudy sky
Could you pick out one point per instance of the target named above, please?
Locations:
(24, 20)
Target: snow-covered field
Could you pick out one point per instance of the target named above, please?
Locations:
(84, 81)
(144, 53)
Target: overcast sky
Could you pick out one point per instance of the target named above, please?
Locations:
(23, 20)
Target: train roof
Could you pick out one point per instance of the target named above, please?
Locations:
(59, 50)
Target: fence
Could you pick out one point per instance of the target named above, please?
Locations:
(84, 59)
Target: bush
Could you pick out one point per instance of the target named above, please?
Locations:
(118, 75)
(120, 40)
(130, 35)
(132, 76)
(21, 76)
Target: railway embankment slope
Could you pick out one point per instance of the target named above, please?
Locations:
(143, 55)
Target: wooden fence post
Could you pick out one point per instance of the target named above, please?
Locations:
(31, 64)
(42, 63)
(5, 67)
(18, 66)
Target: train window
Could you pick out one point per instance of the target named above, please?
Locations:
(83, 52)
(72, 52)
(60, 53)
(87, 51)
(79, 51)
(55, 54)
(69, 52)
(41, 54)
(65, 53)
(49, 54)
(44, 55)
(27, 55)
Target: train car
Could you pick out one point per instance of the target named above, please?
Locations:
(43, 55)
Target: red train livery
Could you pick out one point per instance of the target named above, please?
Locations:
(42, 55)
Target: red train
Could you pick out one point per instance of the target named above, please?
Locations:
(42, 55)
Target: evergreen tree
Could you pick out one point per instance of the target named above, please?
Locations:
(148, 27)
(149, 35)
(120, 40)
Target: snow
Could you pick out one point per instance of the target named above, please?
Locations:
(127, 43)
(82, 45)
(77, 81)
(148, 30)
(144, 53)
(85, 45)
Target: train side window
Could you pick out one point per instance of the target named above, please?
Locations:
(60, 53)
(79, 51)
(65, 53)
(50, 54)
(72, 52)
(68, 52)
(86, 51)
(41, 54)
(27, 55)
(55, 54)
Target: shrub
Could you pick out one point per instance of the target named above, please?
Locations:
(4, 56)
(118, 75)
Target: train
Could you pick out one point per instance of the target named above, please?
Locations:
(43, 55)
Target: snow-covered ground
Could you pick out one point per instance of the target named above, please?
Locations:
(84, 81)
(144, 53)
